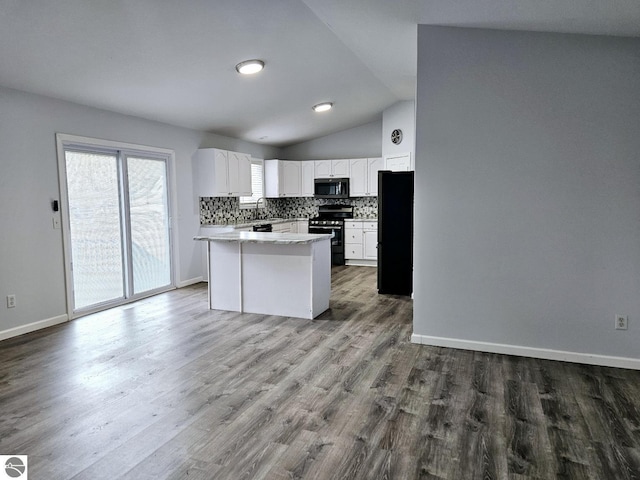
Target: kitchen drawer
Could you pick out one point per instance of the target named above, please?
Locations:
(350, 224)
(352, 251)
(352, 235)
(369, 225)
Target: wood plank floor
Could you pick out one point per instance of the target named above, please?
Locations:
(166, 389)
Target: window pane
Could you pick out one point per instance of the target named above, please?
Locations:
(94, 218)
(257, 183)
(151, 261)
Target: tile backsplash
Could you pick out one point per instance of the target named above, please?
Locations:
(224, 210)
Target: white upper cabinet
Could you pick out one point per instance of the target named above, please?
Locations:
(307, 175)
(282, 178)
(331, 168)
(291, 180)
(240, 173)
(340, 168)
(364, 176)
(358, 181)
(400, 162)
(374, 165)
(221, 173)
(323, 169)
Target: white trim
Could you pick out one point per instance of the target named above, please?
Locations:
(32, 327)
(191, 281)
(76, 140)
(544, 353)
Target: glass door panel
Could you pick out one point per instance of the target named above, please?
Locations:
(149, 223)
(95, 228)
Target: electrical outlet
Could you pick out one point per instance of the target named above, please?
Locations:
(11, 301)
(621, 322)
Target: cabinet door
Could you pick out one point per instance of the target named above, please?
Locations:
(239, 174)
(340, 168)
(290, 176)
(398, 163)
(322, 168)
(358, 180)
(210, 171)
(306, 177)
(303, 226)
(244, 172)
(220, 174)
(284, 227)
(374, 166)
(370, 244)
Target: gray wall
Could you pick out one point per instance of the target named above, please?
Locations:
(358, 142)
(31, 255)
(401, 115)
(528, 189)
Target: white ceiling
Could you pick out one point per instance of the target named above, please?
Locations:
(174, 61)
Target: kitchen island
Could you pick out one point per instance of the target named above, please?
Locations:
(287, 274)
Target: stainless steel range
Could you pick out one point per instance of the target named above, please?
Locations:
(330, 219)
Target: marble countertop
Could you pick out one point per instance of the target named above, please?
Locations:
(265, 237)
(254, 222)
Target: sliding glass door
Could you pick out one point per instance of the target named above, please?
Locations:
(149, 224)
(118, 226)
(95, 224)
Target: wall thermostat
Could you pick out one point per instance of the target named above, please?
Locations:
(396, 136)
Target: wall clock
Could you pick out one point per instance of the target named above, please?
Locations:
(396, 136)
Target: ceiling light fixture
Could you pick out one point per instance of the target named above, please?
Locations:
(249, 67)
(323, 107)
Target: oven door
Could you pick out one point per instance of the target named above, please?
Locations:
(337, 232)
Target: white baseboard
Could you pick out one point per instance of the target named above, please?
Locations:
(361, 263)
(32, 327)
(544, 353)
(191, 281)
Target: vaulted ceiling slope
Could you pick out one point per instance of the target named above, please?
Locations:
(174, 61)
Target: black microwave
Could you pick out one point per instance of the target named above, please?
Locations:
(331, 188)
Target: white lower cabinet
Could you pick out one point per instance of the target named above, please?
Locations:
(361, 242)
(285, 227)
(370, 244)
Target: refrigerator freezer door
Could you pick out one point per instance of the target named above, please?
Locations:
(395, 233)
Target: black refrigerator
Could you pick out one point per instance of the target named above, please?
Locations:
(395, 232)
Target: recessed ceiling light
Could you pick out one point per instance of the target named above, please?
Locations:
(249, 67)
(323, 107)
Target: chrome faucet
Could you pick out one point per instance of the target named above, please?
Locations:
(255, 212)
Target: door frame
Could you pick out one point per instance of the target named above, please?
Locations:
(79, 142)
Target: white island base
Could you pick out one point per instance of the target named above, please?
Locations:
(269, 273)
